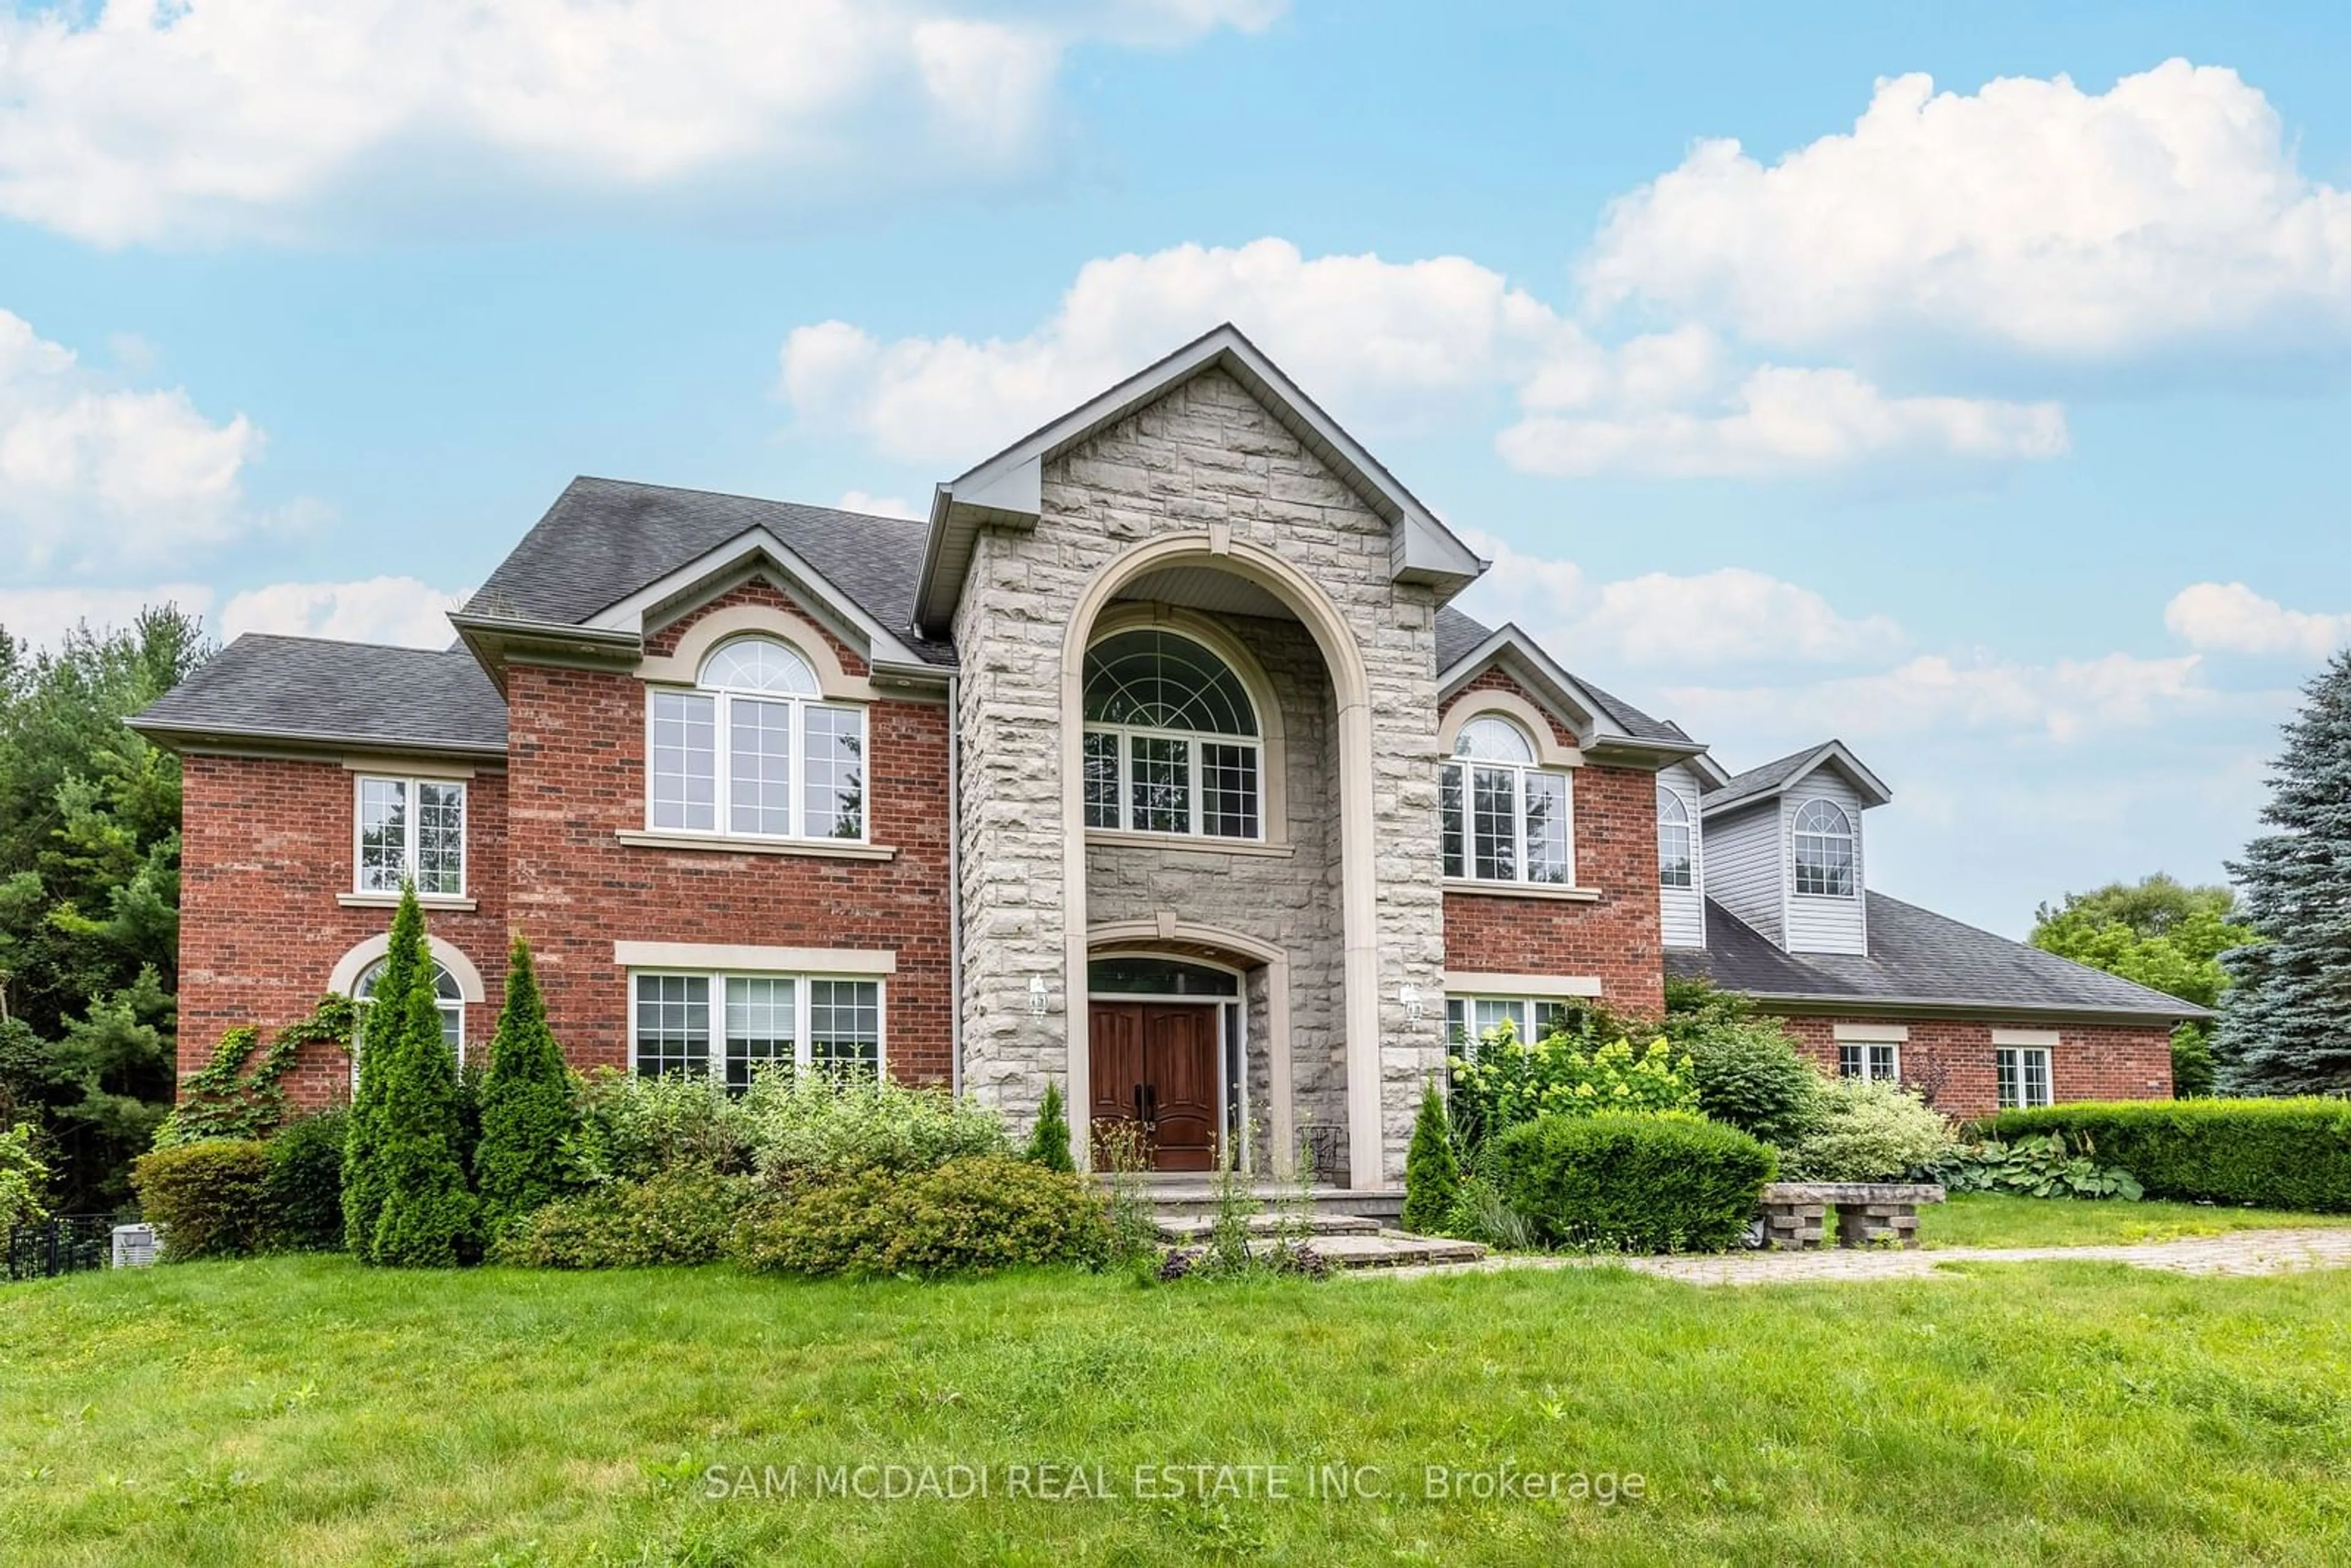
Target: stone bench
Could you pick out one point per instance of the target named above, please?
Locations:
(1869, 1214)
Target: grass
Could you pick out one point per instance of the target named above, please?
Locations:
(2000, 1219)
(304, 1410)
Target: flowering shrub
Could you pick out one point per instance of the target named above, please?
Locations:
(1506, 1081)
(1868, 1130)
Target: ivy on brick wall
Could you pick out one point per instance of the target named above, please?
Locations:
(239, 1092)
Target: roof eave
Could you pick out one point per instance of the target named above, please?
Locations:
(1946, 1006)
(187, 737)
(494, 639)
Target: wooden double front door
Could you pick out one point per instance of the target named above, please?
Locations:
(1154, 1064)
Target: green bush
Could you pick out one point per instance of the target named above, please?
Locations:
(23, 1179)
(1432, 1175)
(970, 1215)
(682, 1215)
(1750, 1076)
(428, 1218)
(815, 1126)
(2272, 1153)
(526, 1110)
(1868, 1130)
(302, 1186)
(2032, 1167)
(206, 1198)
(629, 1128)
(1644, 1184)
(1506, 1080)
(1049, 1141)
(375, 1035)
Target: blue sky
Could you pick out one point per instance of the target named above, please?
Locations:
(1995, 427)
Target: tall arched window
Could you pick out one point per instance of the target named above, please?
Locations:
(1502, 819)
(1673, 868)
(447, 998)
(1171, 739)
(752, 751)
(1824, 850)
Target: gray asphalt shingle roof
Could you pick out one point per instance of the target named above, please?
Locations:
(1457, 636)
(1914, 955)
(605, 539)
(1762, 781)
(310, 688)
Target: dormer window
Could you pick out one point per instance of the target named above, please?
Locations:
(1503, 817)
(751, 752)
(1171, 742)
(1674, 860)
(1823, 835)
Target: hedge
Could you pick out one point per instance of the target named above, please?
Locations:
(973, 1215)
(2272, 1153)
(208, 1197)
(1644, 1184)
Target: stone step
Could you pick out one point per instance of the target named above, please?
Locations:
(1380, 1249)
(1199, 1199)
(1188, 1230)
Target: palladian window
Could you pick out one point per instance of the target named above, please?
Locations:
(1503, 817)
(753, 752)
(1824, 850)
(1171, 740)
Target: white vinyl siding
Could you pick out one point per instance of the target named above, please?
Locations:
(1825, 922)
(1681, 911)
(1746, 859)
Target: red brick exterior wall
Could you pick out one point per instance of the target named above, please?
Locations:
(267, 846)
(576, 757)
(1953, 1057)
(1615, 937)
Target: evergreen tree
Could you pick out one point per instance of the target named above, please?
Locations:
(527, 1108)
(2286, 1027)
(1432, 1177)
(375, 1040)
(429, 1216)
(1049, 1141)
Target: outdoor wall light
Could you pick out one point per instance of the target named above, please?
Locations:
(1410, 996)
(1036, 996)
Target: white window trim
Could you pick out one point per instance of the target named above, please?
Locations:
(414, 820)
(1532, 1003)
(723, 771)
(1469, 873)
(802, 1046)
(1688, 826)
(1852, 836)
(1194, 739)
(440, 1005)
(1868, 1045)
(2048, 1075)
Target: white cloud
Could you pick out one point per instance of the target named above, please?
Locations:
(2168, 210)
(878, 506)
(91, 472)
(396, 609)
(42, 616)
(149, 120)
(1728, 616)
(2229, 618)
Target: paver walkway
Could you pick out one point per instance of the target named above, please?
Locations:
(2237, 1252)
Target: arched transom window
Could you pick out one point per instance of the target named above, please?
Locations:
(1824, 850)
(1172, 740)
(1674, 867)
(1504, 819)
(446, 997)
(752, 751)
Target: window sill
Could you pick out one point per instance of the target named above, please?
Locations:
(391, 901)
(1524, 890)
(722, 844)
(1119, 837)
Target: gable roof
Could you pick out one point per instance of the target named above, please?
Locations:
(1782, 774)
(1008, 488)
(307, 690)
(1461, 639)
(1916, 959)
(605, 540)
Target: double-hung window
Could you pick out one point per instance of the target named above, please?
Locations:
(2023, 1074)
(410, 828)
(1502, 819)
(727, 1026)
(1874, 1060)
(1470, 1021)
(751, 752)
(1171, 742)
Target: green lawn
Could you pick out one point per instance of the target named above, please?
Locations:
(1997, 1220)
(305, 1410)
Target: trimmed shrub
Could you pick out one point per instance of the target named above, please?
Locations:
(1750, 1076)
(629, 1128)
(816, 1126)
(206, 1198)
(968, 1215)
(682, 1215)
(1640, 1184)
(1506, 1081)
(364, 1182)
(527, 1108)
(1869, 1131)
(23, 1179)
(302, 1185)
(1432, 1177)
(1049, 1141)
(2274, 1154)
(429, 1219)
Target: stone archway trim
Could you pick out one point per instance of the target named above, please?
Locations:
(353, 963)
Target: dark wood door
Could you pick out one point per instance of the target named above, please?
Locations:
(1156, 1063)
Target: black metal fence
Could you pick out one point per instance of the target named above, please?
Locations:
(68, 1244)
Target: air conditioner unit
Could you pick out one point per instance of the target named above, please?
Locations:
(134, 1246)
